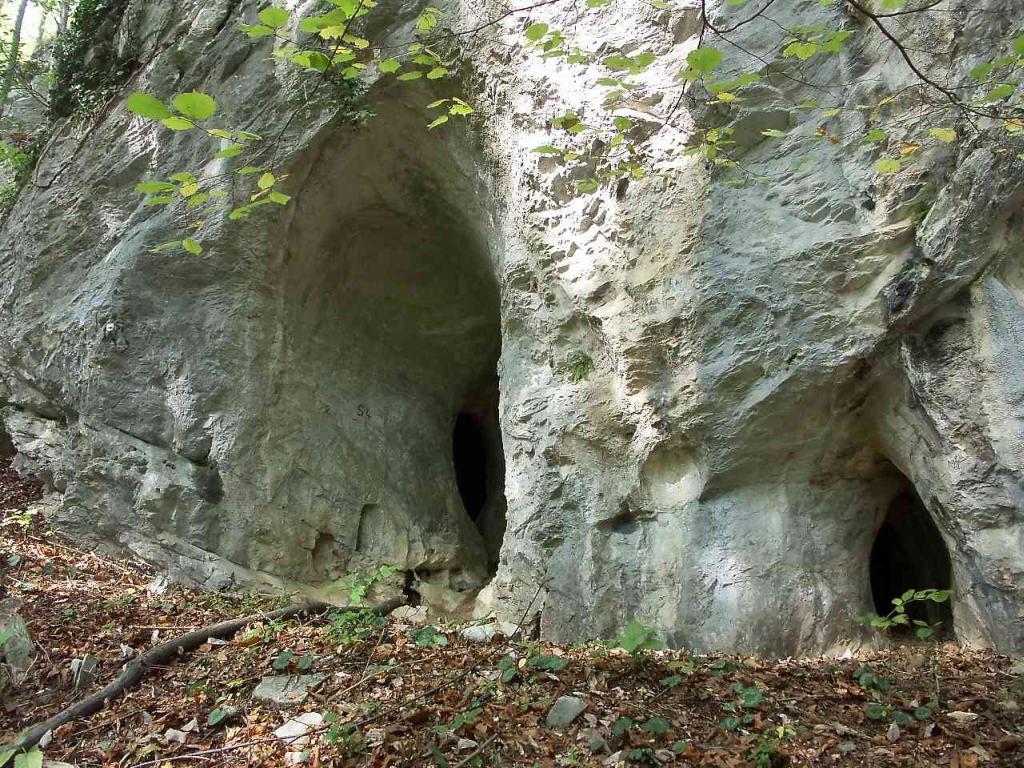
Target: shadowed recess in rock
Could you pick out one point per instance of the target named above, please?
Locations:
(909, 553)
(480, 465)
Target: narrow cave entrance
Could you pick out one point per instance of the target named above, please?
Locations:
(480, 465)
(909, 553)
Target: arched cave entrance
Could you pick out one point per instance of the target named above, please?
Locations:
(909, 553)
(384, 422)
(480, 465)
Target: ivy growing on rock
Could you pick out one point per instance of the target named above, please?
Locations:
(89, 70)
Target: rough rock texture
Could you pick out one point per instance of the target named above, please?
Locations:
(773, 365)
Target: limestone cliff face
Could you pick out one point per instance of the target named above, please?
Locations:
(785, 377)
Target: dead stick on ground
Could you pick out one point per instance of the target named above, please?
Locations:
(139, 667)
(478, 751)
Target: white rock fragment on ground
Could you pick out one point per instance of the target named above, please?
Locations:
(287, 690)
(484, 633)
(293, 732)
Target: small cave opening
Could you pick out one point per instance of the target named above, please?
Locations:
(480, 465)
(909, 553)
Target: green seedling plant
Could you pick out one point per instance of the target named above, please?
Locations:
(747, 698)
(638, 640)
(897, 617)
(765, 753)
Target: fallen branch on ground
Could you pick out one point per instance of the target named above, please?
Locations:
(139, 667)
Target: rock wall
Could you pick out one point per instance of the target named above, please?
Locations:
(772, 365)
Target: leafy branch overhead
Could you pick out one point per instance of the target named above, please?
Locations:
(900, 127)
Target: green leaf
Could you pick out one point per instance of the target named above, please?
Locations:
(441, 120)
(875, 711)
(704, 59)
(622, 123)
(436, 73)
(228, 152)
(256, 30)
(389, 65)
(31, 759)
(144, 105)
(940, 595)
(279, 197)
(552, 663)
(773, 133)
(946, 135)
(1018, 45)
(195, 106)
(266, 181)
(219, 715)
(621, 725)
(191, 246)
(149, 187)
(922, 713)
(547, 149)
(414, 75)
(801, 49)
(1000, 92)
(282, 661)
(274, 17)
(178, 124)
(888, 165)
(656, 725)
(982, 71)
(536, 31)
(876, 135)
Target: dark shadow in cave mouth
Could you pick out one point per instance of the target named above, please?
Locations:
(480, 465)
(909, 553)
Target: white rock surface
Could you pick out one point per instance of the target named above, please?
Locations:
(773, 366)
(293, 732)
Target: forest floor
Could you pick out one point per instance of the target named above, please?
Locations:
(395, 694)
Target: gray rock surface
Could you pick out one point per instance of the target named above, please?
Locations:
(17, 649)
(287, 690)
(774, 367)
(564, 711)
(83, 671)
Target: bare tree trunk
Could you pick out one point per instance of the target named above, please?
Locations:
(12, 58)
(64, 18)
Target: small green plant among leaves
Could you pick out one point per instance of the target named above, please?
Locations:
(765, 753)
(898, 617)
(429, 637)
(747, 698)
(637, 639)
(356, 585)
(353, 626)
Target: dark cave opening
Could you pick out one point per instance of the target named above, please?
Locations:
(469, 451)
(480, 465)
(909, 553)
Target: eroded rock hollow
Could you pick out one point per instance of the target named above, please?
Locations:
(742, 415)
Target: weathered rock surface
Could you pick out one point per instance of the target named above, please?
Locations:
(287, 690)
(774, 367)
